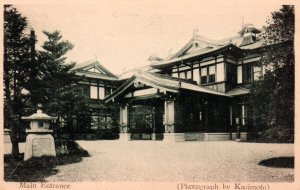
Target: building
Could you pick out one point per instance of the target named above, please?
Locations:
(97, 82)
(199, 93)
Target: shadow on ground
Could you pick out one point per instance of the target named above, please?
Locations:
(279, 162)
(37, 169)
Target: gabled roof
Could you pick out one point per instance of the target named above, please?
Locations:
(201, 46)
(162, 82)
(197, 43)
(93, 69)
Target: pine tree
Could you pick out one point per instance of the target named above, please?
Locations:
(56, 85)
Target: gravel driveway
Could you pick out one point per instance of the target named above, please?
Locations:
(228, 161)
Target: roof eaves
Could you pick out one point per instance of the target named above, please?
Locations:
(207, 53)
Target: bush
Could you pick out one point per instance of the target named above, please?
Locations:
(67, 147)
(108, 134)
(278, 134)
(38, 168)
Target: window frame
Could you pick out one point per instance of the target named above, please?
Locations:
(208, 78)
(247, 74)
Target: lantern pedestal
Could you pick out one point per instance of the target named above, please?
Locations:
(38, 145)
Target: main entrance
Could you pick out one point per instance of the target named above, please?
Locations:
(145, 119)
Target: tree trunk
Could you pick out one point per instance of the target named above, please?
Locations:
(14, 137)
(15, 149)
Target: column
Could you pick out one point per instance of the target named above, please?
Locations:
(169, 122)
(124, 135)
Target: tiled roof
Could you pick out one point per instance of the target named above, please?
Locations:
(82, 70)
(209, 46)
(160, 81)
(196, 53)
(95, 75)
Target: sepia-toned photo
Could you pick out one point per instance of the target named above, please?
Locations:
(176, 95)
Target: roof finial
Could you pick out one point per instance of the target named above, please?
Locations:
(242, 23)
(95, 57)
(196, 30)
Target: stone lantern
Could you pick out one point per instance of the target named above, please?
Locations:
(39, 141)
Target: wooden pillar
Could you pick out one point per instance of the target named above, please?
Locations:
(124, 135)
(170, 134)
(169, 116)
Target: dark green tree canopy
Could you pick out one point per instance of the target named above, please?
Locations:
(272, 97)
(18, 69)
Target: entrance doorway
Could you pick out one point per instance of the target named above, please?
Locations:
(145, 119)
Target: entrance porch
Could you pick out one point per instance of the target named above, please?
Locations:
(158, 107)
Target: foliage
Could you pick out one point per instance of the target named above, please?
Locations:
(56, 87)
(37, 169)
(272, 97)
(19, 69)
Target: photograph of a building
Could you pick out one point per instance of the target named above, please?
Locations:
(163, 100)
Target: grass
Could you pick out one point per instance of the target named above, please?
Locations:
(37, 169)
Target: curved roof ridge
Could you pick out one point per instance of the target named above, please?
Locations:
(207, 40)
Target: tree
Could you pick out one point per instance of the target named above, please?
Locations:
(56, 85)
(272, 97)
(18, 68)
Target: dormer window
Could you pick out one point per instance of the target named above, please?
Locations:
(248, 33)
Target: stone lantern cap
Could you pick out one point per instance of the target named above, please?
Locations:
(39, 122)
(39, 115)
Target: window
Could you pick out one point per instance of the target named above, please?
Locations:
(247, 73)
(93, 92)
(182, 75)
(212, 74)
(40, 124)
(97, 92)
(189, 75)
(175, 75)
(107, 90)
(203, 75)
(208, 74)
(196, 75)
(101, 93)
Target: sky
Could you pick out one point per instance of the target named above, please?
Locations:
(121, 35)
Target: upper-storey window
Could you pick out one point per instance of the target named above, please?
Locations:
(182, 75)
(208, 74)
(247, 73)
(97, 92)
(189, 75)
(203, 75)
(93, 92)
(211, 74)
(196, 75)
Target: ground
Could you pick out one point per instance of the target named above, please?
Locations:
(187, 161)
